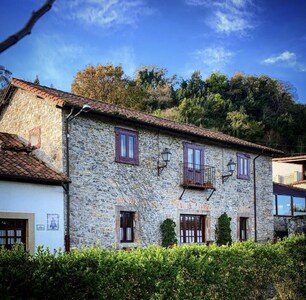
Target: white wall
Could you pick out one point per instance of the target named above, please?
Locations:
(39, 200)
(286, 172)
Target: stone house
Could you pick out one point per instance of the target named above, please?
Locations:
(122, 185)
(31, 198)
(289, 195)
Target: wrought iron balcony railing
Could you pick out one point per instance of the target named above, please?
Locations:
(198, 176)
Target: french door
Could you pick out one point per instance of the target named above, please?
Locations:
(192, 229)
(193, 164)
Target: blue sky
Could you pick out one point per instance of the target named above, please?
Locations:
(254, 37)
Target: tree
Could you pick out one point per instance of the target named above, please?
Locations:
(224, 230)
(36, 15)
(168, 234)
(5, 77)
(158, 87)
(105, 83)
(36, 81)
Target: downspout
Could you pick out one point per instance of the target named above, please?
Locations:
(67, 236)
(255, 199)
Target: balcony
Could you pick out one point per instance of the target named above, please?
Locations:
(198, 176)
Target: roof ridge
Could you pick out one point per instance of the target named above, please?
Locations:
(67, 99)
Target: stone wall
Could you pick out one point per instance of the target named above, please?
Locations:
(286, 226)
(26, 112)
(101, 187)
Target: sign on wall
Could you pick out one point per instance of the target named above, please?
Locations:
(52, 221)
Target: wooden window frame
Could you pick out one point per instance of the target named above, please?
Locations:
(194, 175)
(119, 132)
(184, 239)
(246, 159)
(125, 215)
(14, 228)
(243, 225)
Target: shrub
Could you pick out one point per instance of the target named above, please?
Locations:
(168, 234)
(223, 231)
(242, 271)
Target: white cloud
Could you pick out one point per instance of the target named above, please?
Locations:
(227, 23)
(288, 59)
(286, 56)
(213, 57)
(227, 16)
(104, 13)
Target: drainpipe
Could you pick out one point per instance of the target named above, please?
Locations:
(67, 236)
(255, 199)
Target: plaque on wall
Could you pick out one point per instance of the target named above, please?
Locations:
(52, 221)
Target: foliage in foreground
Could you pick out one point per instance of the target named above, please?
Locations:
(241, 271)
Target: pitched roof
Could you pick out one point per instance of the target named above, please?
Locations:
(65, 99)
(18, 163)
(298, 159)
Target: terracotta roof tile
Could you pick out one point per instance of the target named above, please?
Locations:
(70, 100)
(16, 162)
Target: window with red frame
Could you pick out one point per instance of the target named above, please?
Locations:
(12, 231)
(126, 227)
(127, 146)
(192, 229)
(243, 166)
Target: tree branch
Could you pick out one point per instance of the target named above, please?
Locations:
(36, 15)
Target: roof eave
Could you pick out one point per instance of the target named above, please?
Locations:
(29, 179)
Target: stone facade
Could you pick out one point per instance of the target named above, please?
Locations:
(286, 226)
(101, 187)
(27, 112)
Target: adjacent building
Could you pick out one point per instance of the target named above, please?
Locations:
(130, 171)
(289, 199)
(31, 198)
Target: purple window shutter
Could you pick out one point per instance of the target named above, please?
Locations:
(117, 144)
(136, 149)
(241, 160)
(187, 174)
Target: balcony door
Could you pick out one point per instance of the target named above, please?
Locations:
(193, 164)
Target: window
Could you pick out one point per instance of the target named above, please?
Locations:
(287, 205)
(12, 231)
(243, 166)
(298, 206)
(126, 227)
(126, 146)
(243, 235)
(34, 137)
(193, 164)
(192, 229)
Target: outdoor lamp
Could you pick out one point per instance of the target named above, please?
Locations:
(231, 166)
(166, 155)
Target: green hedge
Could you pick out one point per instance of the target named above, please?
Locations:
(241, 271)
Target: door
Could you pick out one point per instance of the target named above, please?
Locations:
(193, 164)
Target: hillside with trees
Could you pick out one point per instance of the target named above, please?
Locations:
(255, 108)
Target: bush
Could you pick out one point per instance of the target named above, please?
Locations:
(223, 231)
(242, 271)
(168, 233)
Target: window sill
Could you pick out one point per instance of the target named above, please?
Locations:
(127, 162)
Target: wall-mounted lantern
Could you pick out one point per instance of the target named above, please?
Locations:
(231, 166)
(166, 155)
